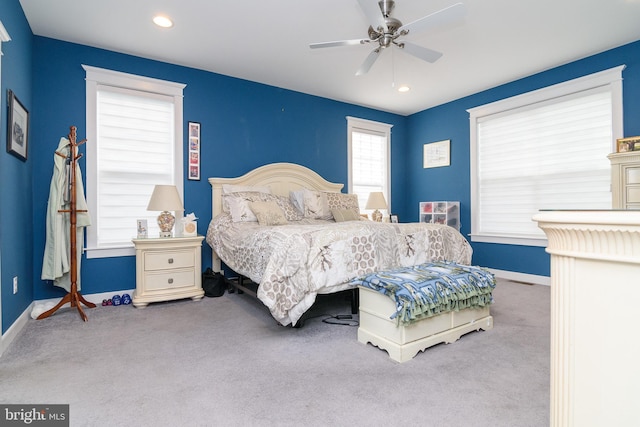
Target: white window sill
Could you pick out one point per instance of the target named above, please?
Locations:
(110, 252)
(509, 240)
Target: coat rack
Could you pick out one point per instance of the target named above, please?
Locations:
(74, 297)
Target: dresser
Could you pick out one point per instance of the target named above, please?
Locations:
(595, 266)
(625, 180)
(167, 269)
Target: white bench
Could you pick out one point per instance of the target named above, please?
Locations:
(403, 342)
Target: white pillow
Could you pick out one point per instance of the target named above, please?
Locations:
(315, 205)
(297, 199)
(230, 188)
(240, 210)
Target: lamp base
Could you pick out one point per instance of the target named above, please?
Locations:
(165, 222)
(376, 216)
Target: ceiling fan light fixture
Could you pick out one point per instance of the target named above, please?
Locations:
(403, 88)
(162, 21)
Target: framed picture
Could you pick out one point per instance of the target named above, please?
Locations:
(194, 151)
(142, 228)
(394, 219)
(17, 127)
(437, 154)
(628, 144)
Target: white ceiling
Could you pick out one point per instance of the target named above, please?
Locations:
(498, 41)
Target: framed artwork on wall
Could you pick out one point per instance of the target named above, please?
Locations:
(437, 154)
(194, 151)
(17, 127)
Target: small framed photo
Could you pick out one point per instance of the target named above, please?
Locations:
(394, 218)
(437, 154)
(194, 152)
(628, 144)
(17, 127)
(142, 229)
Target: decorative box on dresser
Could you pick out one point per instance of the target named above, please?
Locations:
(167, 269)
(625, 180)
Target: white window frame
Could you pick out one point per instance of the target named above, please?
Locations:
(99, 76)
(611, 78)
(379, 128)
(4, 37)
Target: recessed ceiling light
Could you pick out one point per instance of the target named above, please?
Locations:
(403, 88)
(162, 21)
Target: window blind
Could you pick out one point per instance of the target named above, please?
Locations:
(368, 163)
(550, 155)
(135, 151)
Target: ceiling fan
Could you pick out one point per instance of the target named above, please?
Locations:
(385, 30)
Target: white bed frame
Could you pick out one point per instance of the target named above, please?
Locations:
(280, 177)
(401, 342)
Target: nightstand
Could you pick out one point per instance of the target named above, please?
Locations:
(167, 269)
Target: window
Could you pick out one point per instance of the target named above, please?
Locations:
(134, 141)
(545, 149)
(369, 160)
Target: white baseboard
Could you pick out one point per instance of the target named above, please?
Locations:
(17, 326)
(15, 329)
(522, 277)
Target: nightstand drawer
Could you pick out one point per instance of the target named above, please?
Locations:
(169, 280)
(168, 260)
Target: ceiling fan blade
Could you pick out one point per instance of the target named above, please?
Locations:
(420, 52)
(436, 19)
(339, 43)
(373, 14)
(366, 65)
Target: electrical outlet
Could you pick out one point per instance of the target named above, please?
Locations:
(15, 285)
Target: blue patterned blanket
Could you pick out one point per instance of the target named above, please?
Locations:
(430, 289)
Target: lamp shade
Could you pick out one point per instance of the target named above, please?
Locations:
(165, 198)
(376, 201)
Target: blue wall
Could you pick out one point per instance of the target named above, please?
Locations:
(451, 121)
(16, 208)
(244, 125)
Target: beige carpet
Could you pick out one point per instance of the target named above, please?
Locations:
(225, 362)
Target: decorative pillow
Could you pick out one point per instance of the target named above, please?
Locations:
(239, 209)
(297, 199)
(343, 201)
(315, 205)
(341, 215)
(238, 204)
(268, 213)
(290, 211)
(230, 188)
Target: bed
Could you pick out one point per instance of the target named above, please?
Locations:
(310, 254)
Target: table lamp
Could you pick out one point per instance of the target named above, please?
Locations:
(165, 198)
(376, 201)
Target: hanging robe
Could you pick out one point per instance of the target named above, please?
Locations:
(56, 263)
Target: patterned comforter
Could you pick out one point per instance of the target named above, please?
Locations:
(294, 262)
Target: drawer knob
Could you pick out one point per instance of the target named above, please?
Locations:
(170, 281)
(170, 260)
